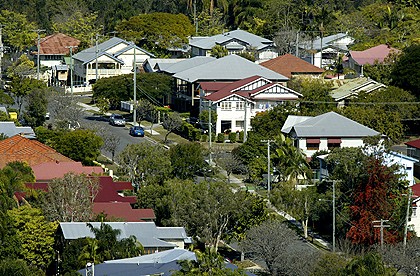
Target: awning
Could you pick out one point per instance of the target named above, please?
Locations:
(313, 141)
(334, 140)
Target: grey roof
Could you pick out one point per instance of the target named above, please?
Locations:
(326, 41)
(60, 67)
(331, 124)
(252, 40)
(131, 46)
(187, 64)
(10, 129)
(292, 120)
(89, 54)
(157, 64)
(3, 109)
(354, 87)
(159, 257)
(146, 232)
(228, 68)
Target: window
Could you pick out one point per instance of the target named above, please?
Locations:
(313, 143)
(414, 213)
(240, 105)
(226, 105)
(239, 124)
(333, 143)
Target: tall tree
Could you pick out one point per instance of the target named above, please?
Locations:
(187, 159)
(36, 107)
(18, 31)
(171, 122)
(403, 74)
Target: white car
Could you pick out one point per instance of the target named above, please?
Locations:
(117, 120)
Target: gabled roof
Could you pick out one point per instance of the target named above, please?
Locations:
(145, 232)
(254, 41)
(89, 54)
(328, 41)
(10, 129)
(289, 65)
(18, 148)
(330, 124)
(108, 191)
(213, 86)
(354, 87)
(187, 64)
(131, 46)
(247, 89)
(163, 257)
(369, 56)
(228, 68)
(416, 190)
(292, 120)
(57, 44)
(50, 170)
(158, 64)
(414, 143)
(123, 210)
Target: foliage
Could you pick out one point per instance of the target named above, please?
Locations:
(145, 164)
(230, 163)
(103, 105)
(65, 113)
(187, 159)
(403, 73)
(37, 107)
(171, 122)
(210, 24)
(381, 71)
(220, 138)
(70, 198)
(329, 265)
(404, 258)
(188, 131)
(9, 266)
(36, 235)
(17, 31)
(232, 137)
(6, 100)
(157, 32)
(367, 265)
(219, 51)
(111, 142)
(277, 246)
(80, 145)
(204, 118)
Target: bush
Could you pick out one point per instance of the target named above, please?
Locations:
(232, 137)
(241, 137)
(188, 131)
(220, 138)
(204, 138)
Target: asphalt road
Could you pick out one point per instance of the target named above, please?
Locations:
(91, 121)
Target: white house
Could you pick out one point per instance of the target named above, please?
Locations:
(325, 132)
(236, 103)
(325, 49)
(415, 209)
(114, 57)
(235, 42)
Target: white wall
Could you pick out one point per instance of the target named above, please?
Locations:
(128, 58)
(415, 218)
(345, 143)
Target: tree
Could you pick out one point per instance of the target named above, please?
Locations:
(277, 246)
(37, 107)
(18, 32)
(186, 159)
(145, 164)
(144, 109)
(70, 198)
(64, 111)
(36, 235)
(404, 258)
(219, 51)
(80, 145)
(230, 164)
(9, 266)
(329, 265)
(403, 74)
(111, 142)
(369, 264)
(171, 122)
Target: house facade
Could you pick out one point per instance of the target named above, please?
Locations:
(322, 52)
(113, 57)
(415, 209)
(235, 42)
(238, 102)
(325, 132)
(413, 150)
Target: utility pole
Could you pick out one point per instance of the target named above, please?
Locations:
(268, 164)
(245, 121)
(297, 44)
(71, 67)
(406, 217)
(1, 49)
(210, 126)
(382, 226)
(333, 202)
(96, 58)
(135, 86)
(38, 31)
(195, 17)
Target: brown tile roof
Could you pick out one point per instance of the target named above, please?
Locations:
(289, 65)
(18, 148)
(124, 211)
(50, 170)
(56, 44)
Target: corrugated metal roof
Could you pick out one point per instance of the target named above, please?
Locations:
(187, 64)
(228, 68)
(159, 257)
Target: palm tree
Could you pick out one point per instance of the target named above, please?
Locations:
(337, 68)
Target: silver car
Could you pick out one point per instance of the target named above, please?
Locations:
(117, 120)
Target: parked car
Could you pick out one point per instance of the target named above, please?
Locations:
(117, 120)
(137, 131)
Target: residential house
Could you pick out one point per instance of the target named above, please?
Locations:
(9, 129)
(152, 65)
(53, 48)
(349, 89)
(323, 51)
(59, 75)
(19, 148)
(114, 57)
(227, 69)
(152, 238)
(357, 59)
(413, 150)
(291, 66)
(325, 132)
(415, 209)
(238, 102)
(235, 42)
(47, 171)
(123, 211)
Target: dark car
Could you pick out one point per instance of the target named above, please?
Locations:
(137, 131)
(117, 120)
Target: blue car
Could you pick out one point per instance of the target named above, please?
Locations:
(137, 131)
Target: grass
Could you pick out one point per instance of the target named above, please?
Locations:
(172, 138)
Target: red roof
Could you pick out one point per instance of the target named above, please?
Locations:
(414, 144)
(50, 170)
(18, 148)
(213, 86)
(289, 65)
(229, 89)
(123, 210)
(416, 190)
(57, 44)
(369, 56)
(108, 191)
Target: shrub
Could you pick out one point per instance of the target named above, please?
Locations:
(232, 137)
(204, 138)
(241, 137)
(220, 138)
